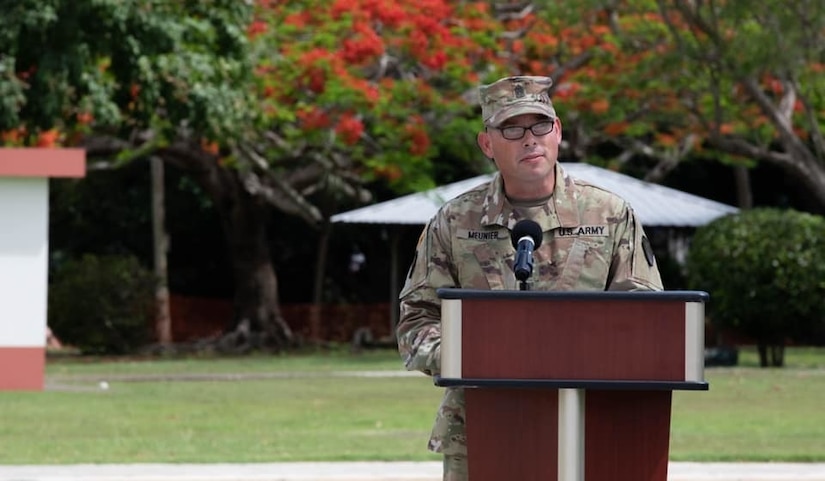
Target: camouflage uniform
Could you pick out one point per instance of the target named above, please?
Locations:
(592, 240)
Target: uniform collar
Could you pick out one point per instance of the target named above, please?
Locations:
(560, 211)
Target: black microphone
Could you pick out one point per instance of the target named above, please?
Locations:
(526, 237)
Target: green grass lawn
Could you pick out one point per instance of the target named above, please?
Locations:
(303, 407)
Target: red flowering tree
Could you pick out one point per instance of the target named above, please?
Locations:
(362, 86)
(356, 91)
(667, 79)
(146, 69)
(274, 107)
(286, 103)
(123, 79)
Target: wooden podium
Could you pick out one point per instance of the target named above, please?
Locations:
(570, 386)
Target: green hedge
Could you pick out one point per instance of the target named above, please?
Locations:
(102, 305)
(765, 272)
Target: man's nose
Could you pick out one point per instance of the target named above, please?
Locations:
(529, 138)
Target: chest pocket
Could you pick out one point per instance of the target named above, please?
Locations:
(486, 265)
(584, 262)
(562, 264)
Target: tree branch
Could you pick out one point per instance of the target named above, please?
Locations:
(275, 190)
(783, 124)
(813, 123)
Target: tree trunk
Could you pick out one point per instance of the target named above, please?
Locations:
(771, 354)
(163, 319)
(318, 284)
(257, 323)
(810, 177)
(744, 195)
(777, 355)
(762, 348)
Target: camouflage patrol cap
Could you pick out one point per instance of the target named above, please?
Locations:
(513, 96)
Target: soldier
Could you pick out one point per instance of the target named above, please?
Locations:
(592, 239)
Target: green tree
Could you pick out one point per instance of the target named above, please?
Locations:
(127, 79)
(667, 79)
(765, 272)
(268, 105)
(102, 305)
(122, 68)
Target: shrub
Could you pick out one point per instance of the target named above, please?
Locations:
(765, 272)
(102, 305)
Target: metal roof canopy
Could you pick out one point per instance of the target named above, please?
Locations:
(655, 205)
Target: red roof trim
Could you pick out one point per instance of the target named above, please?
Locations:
(42, 162)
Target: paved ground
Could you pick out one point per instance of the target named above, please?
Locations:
(367, 471)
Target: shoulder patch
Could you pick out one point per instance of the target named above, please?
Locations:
(648, 250)
(412, 265)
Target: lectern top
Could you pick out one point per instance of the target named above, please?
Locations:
(684, 296)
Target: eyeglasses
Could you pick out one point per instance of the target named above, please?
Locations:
(515, 132)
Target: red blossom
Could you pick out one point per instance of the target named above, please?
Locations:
(210, 146)
(85, 118)
(10, 136)
(389, 172)
(418, 43)
(313, 119)
(567, 90)
(48, 138)
(298, 20)
(776, 86)
(390, 14)
(315, 74)
(666, 140)
(341, 7)
(316, 80)
(349, 128)
(600, 106)
(134, 91)
(435, 61)
(26, 74)
(362, 47)
(419, 140)
(616, 128)
(314, 56)
(257, 27)
(370, 91)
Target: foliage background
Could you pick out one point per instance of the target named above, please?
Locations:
(276, 115)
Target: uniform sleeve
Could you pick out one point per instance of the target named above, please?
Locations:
(633, 266)
(419, 324)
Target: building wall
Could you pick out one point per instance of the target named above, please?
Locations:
(24, 211)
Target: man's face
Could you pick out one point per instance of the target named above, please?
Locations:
(524, 161)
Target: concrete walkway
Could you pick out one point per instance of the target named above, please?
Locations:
(368, 471)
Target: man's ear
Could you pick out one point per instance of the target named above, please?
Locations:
(485, 143)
